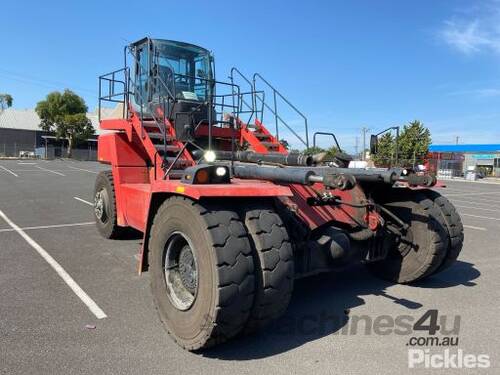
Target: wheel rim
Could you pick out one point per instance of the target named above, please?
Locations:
(101, 205)
(181, 271)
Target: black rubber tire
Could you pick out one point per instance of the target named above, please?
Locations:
(274, 267)
(109, 228)
(429, 239)
(451, 219)
(226, 279)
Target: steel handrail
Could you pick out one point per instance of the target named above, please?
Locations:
(326, 133)
(275, 111)
(253, 107)
(110, 78)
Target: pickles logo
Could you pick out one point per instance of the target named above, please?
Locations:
(452, 357)
(423, 358)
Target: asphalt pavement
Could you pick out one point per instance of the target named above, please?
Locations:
(71, 302)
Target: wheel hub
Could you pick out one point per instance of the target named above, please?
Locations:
(181, 271)
(187, 269)
(100, 205)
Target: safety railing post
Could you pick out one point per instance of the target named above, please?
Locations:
(275, 115)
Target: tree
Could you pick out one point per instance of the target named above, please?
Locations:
(313, 150)
(385, 151)
(413, 146)
(65, 114)
(5, 102)
(414, 142)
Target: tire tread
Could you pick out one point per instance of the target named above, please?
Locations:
(274, 264)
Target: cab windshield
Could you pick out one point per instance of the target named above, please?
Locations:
(184, 68)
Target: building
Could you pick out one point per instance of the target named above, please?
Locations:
(459, 158)
(20, 131)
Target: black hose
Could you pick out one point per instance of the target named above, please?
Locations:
(286, 175)
(292, 159)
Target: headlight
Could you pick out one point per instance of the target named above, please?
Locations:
(206, 174)
(209, 156)
(220, 171)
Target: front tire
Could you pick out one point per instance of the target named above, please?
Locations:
(215, 306)
(105, 206)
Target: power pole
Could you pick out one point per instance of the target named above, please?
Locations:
(456, 139)
(356, 147)
(364, 130)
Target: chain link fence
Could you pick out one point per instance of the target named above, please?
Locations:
(391, 162)
(19, 150)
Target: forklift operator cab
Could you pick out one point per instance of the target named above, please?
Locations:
(176, 77)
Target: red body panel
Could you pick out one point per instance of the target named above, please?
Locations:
(217, 132)
(139, 177)
(135, 181)
(316, 216)
(132, 159)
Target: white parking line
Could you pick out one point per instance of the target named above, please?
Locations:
(488, 202)
(50, 226)
(473, 227)
(89, 302)
(464, 194)
(41, 170)
(84, 201)
(481, 217)
(48, 170)
(25, 170)
(451, 191)
(81, 169)
(8, 170)
(478, 208)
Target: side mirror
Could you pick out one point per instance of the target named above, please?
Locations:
(373, 144)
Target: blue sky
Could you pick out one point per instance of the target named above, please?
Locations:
(345, 64)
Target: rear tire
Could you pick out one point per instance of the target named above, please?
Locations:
(105, 206)
(223, 292)
(274, 268)
(421, 250)
(451, 220)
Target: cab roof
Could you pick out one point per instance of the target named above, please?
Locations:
(182, 44)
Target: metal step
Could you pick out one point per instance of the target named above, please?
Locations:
(261, 135)
(170, 148)
(180, 162)
(270, 144)
(155, 135)
(159, 136)
(152, 124)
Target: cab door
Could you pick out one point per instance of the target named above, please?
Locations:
(142, 69)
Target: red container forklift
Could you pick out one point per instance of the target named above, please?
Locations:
(229, 216)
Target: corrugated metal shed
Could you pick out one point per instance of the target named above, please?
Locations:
(465, 148)
(27, 119)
